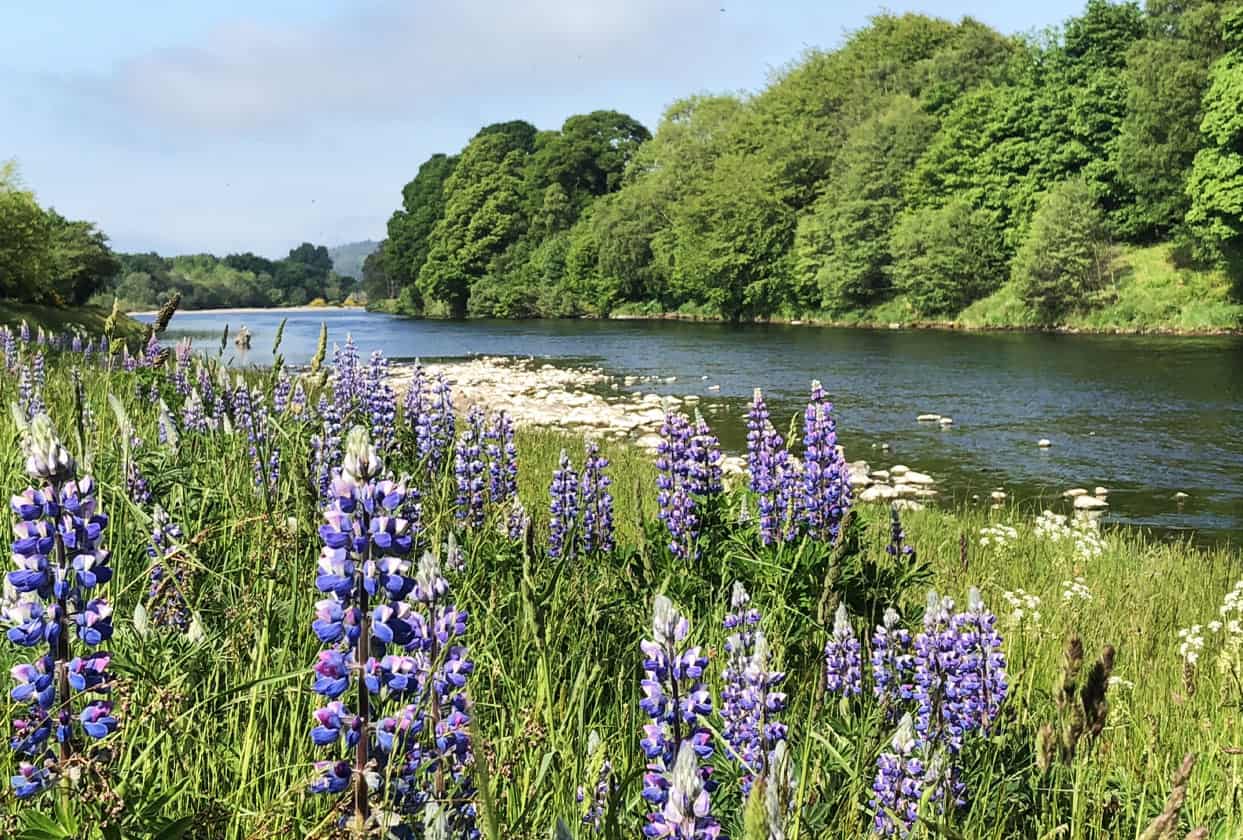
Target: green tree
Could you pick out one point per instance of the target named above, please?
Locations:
(1066, 254)
(423, 204)
(25, 245)
(1215, 185)
(482, 217)
(946, 257)
(843, 244)
(588, 157)
(81, 261)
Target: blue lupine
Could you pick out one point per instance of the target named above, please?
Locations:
(826, 481)
(564, 534)
(166, 597)
(981, 680)
(59, 564)
(468, 468)
(678, 703)
(677, 506)
(193, 414)
(898, 547)
(686, 813)
(899, 784)
(325, 447)
(181, 355)
(771, 473)
(892, 663)
(502, 457)
(842, 663)
(597, 503)
(281, 391)
(348, 386)
(380, 400)
(749, 702)
(250, 414)
(518, 521)
(703, 459)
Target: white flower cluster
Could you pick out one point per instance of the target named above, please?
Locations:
(1084, 533)
(998, 536)
(1192, 643)
(1076, 590)
(1024, 607)
(1226, 630)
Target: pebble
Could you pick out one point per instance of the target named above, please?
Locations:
(1101, 491)
(928, 418)
(1090, 503)
(1181, 496)
(946, 422)
(998, 496)
(1044, 443)
(899, 470)
(1074, 492)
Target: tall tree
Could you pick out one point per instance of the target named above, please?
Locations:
(81, 261)
(423, 203)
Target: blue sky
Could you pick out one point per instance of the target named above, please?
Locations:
(231, 126)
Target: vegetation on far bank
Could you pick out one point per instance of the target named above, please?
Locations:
(924, 170)
(86, 319)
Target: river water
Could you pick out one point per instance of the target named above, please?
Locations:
(1144, 416)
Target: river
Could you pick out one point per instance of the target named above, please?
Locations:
(1145, 416)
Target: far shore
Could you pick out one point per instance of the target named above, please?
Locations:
(247, 310)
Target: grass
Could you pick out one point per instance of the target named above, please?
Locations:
(89, 319)
(216, 731)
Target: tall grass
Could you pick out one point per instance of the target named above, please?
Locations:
(215, 731)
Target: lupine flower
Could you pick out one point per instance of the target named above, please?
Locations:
(325, 447)
(779, 792)
(564, 535)
(59, 563)
(597, 502)
(518, 521)
(899, 783)
(898, 547)
(892, 663)
(181, 355)
(677, 701)
(826, 481)
(193, 415)
(502, 455)
(602, 786)
(771, 473)
(468, 470)
(748, 705)
(703, 460)
(686, 813)
(674, 497)
(166, 596)
(982, 682)
(280, 392)
(251, 416)
(381, 402)
(843, 667)
(348, 387)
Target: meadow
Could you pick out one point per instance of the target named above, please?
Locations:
(512, 690)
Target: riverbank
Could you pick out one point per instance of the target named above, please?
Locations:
(88, 319)
(251, 310)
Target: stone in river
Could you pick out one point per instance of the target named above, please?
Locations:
(1181, 496)
(880, 475)
(928, 418)
(1101, 491)
(1090, 503)
(946, 422)
(912, 477)
(1074, 492)
(1044, 443)
(878, 493)
(899, 470)
(998, 496)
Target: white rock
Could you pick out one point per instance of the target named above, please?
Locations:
(912, 477)
(1074, 492)
(649, 441)
(878, 493)
(928, 418)
(884, 447)
(880, 475)
(714, 387)
(906, 491)
(899, 470)
(997, 496)
(860, 479)
(946, 422)
(1101, 491)
(1180, 496)
(669, 380)
(1090, 503)
(1044, 443)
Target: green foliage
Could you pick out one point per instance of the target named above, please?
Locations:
(25, 246)
(1215, 183)
(1066, 255)
(947, 257)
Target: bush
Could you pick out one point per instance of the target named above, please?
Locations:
(1066, 255)
(947, 257)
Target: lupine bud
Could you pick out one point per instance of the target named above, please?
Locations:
(361, 462)
(46, 458)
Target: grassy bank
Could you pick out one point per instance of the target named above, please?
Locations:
(88, 319)
(214, 724)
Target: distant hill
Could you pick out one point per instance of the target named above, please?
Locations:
(347, 259)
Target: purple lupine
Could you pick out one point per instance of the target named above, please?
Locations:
(136, 486)
(502, 458)
(704, 460)
(771, 473)
(166, 597)
(935, 661)
(518, 521)
(892, 663)
(826, 480)
(193, 415)
(24, 332)
(468, 468)
(674, 498)
(151, 352)
(686, 813)
(56, 550)
(597, 503)
(8, 347)
(251, 415)
(564, 535)
(348, 386)
(749, 701)
(441, 424)
(181, 355)
(602, 787)
(678, 703)
(981, 682)
(843, 666)
(281, 391)
(381, 401)
(325, 447)
(899, 783)
(297, 400)
(898, 547)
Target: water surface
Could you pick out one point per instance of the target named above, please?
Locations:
(1144, 416)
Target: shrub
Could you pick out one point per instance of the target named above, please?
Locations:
(944, 258)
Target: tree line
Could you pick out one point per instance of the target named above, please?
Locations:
(923, 159)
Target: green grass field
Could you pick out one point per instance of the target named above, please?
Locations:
(214, 727)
